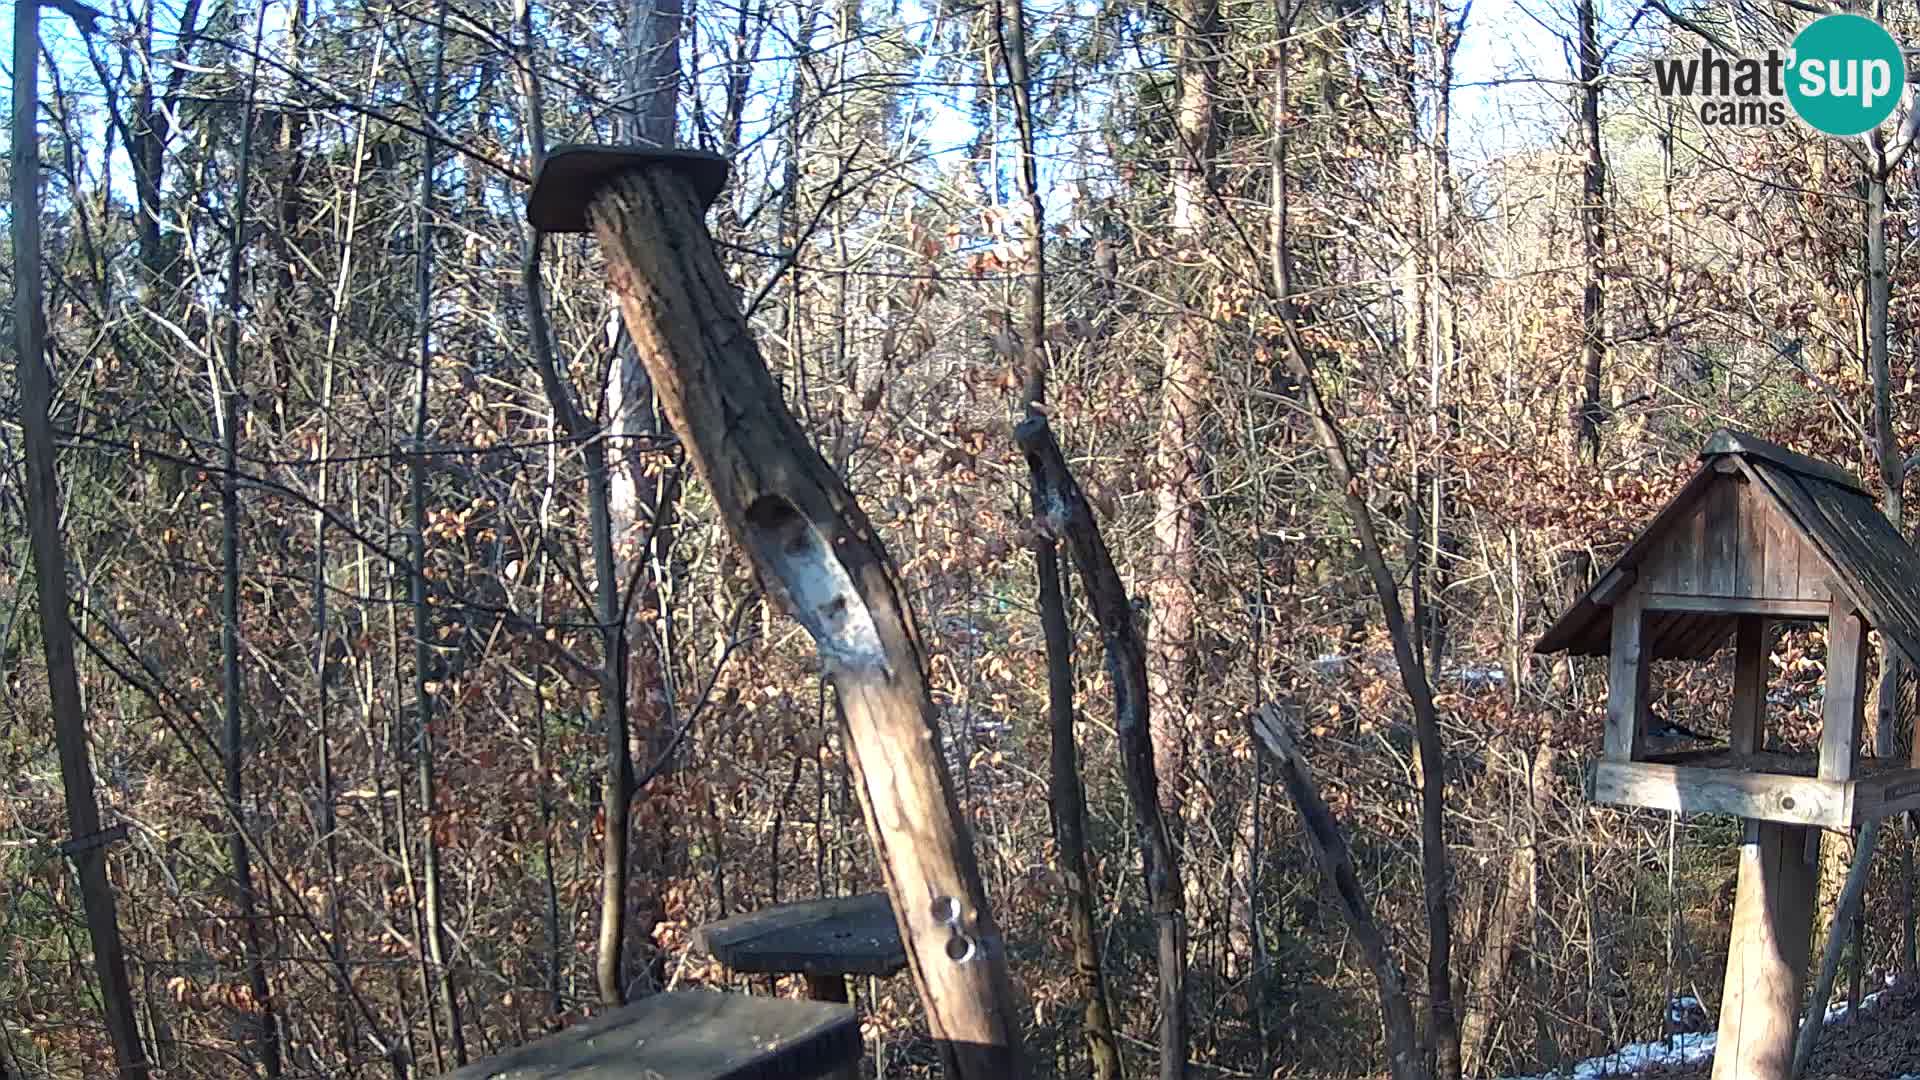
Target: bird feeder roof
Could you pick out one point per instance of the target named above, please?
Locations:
(1755, 521)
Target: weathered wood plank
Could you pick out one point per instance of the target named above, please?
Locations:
(1609, 588)
(689, 1035)
(1628, 664)
(1720, 536)
(1767, 953)
(1782, 575)
(1793, 800)
(1739, 605)
(1751, 538)
(1749, 715)
(1842, 705)
(1885, 794)
(848, 935)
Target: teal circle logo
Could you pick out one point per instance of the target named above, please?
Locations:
(1847, 74)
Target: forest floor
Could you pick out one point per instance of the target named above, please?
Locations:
(1878, 1043)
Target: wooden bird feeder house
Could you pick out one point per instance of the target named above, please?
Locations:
(1759, 534)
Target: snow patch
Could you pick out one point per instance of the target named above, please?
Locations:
(1685, 1049)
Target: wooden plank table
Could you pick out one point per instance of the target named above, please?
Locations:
(822, 940)
(689, 1035)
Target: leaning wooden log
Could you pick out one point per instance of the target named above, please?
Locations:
(1330, 850)
(1067, 516)
(816, 552)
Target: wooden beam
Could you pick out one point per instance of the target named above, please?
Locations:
(1738, 605)
(1618, 580)
(1682, 789)
(1627, 667)
(1767, 953)
(1842, 706)
(1749, 716)
(1885, 794)
(822, 560)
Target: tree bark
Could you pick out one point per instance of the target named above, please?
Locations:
(1066, 794)
(1509, 915)
(1068, 516)
(1593, 238)
(1849, 902)
(1179, 458)
(816, 551)
(50, 557)
(227, 401)
(1330, 851)
(434, 926)
(1443, 1027)
(638, 508)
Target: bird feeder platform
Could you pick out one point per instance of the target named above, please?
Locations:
(689, 1035)
(824, 941)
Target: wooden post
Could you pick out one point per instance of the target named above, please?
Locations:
(1749, 719)
(1767, 955)
(1627, 670)
(1842, 707)
(815, 551)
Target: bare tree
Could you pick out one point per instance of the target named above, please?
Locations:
(50, 556)
(227, 405)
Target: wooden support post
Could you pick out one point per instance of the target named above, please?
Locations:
(1843, 705)
(1767, 954)
(817, 553)
(1627, 669)
(1749, 719)
(828, 988)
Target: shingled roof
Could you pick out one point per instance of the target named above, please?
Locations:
(1863, 554)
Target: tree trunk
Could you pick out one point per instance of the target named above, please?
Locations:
(1069, 516)
(1443, 1028)
(1593, 238)
(638, 509)
(1511, 913)
(1179, 458)
(50, 557)
(1330, 851)
(819, 555)
(227, 402)
(1066, 795)
(434, 929)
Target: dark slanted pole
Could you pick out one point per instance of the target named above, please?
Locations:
(49, 551)
(816, 551)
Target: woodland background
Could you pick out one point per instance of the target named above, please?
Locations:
(287, 290)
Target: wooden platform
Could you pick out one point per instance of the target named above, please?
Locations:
(853, 935)
(1764, 786)
(689, 1035)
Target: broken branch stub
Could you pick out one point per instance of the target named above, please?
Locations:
(817, 552)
